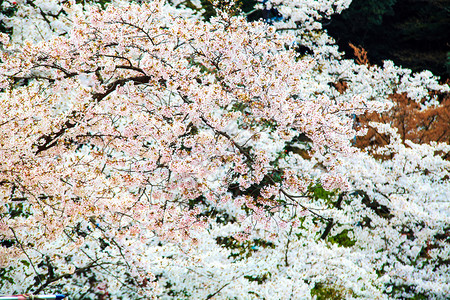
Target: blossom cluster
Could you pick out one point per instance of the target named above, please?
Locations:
(147, 152)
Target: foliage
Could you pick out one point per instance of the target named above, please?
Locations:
(371, 11)
(327, 291)
(424, 121)
(7, 10)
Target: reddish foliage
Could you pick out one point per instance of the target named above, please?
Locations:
(413, 122)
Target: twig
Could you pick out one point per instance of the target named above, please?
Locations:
(26, 254)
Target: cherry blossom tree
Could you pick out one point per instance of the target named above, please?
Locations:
(146, 151)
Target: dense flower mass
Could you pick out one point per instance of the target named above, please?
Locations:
(149, 152)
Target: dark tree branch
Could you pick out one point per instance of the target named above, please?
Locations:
(47, 141)
(331, 223)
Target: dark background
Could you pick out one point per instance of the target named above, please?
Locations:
(414, 34)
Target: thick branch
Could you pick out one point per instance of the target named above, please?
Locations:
(331, 223)
(47, 141)
(52, 278)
